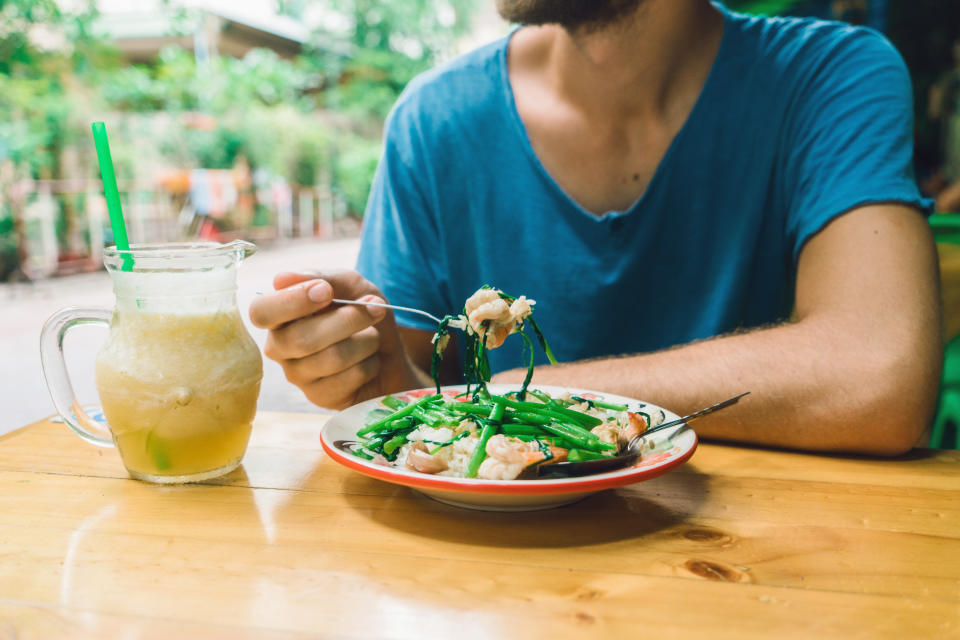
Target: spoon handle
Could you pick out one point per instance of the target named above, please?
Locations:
(694, 415)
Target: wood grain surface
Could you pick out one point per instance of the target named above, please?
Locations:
(737, 543)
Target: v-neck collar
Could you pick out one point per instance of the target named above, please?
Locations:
(699, 105)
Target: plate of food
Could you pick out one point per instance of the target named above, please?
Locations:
(435, 447)
(500, 447)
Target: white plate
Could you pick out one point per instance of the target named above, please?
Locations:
(663, 451)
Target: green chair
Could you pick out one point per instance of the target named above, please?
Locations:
(945, 432)
(946, 227)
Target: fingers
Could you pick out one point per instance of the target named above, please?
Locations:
(343, 388)
(273, 310)
(314, 333)
(300, 294)
(330, 360)
(333, 375)
(347, 284)
(335, 353)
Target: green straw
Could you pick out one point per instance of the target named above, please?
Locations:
(111, 193)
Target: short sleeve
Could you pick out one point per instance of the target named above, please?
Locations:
(850, 138)
(400, 249)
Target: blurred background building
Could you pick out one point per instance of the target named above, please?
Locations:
(263, 118)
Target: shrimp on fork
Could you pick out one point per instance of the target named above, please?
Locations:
(491, 317)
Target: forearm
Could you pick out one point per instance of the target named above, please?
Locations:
(812, 385)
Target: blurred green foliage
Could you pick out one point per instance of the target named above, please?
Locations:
(386, 43)
(355, 161)
(35, 83)
(316, 117)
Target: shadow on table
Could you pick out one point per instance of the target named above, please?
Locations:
(609, 516)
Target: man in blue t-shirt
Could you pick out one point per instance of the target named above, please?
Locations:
(700, 202)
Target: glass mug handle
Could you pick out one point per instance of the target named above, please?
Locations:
(57, 377)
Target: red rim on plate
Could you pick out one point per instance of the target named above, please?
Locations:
(649, 466)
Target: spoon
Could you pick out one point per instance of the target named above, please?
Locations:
(630, 453)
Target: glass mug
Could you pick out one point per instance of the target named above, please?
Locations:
(179, 375)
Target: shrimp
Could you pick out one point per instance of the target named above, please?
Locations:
(491, 317)
(636, 425)
(419, 459)
(608, 432)
(621, 434)
(508, 457)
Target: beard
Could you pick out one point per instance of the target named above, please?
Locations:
(572, 15)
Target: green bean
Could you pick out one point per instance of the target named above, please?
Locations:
(468, 407)
(565, 431)
(394, 402)
(546, 398)
(563, 443)
(374, 444)
(405, 411)
(430, 418)
(394, 443)
(536, 431)
(406, 423)
(601, 404)
(490, 427)
(560, 413)
(526, 417)
(577, 430)
(522, 430)
(377, 414)
(481, 451)
(555, 441)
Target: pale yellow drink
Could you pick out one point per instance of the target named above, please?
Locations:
(179, 390)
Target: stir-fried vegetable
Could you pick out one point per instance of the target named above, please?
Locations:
(495, 436)
(548, 425)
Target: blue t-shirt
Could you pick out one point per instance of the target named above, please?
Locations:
(798, 122)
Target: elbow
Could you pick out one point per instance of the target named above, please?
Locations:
(894, 439)
(898, 399)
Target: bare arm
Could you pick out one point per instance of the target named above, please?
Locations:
(856, 370)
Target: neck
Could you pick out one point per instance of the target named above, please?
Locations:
(648, 64)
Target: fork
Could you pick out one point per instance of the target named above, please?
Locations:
(361, 303)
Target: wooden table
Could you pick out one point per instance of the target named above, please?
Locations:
(737, 543)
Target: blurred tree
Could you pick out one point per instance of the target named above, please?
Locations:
(19, 18)
(35, 79)
(364, 55)
(42, 48)
(285, 116)
(378, 46)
